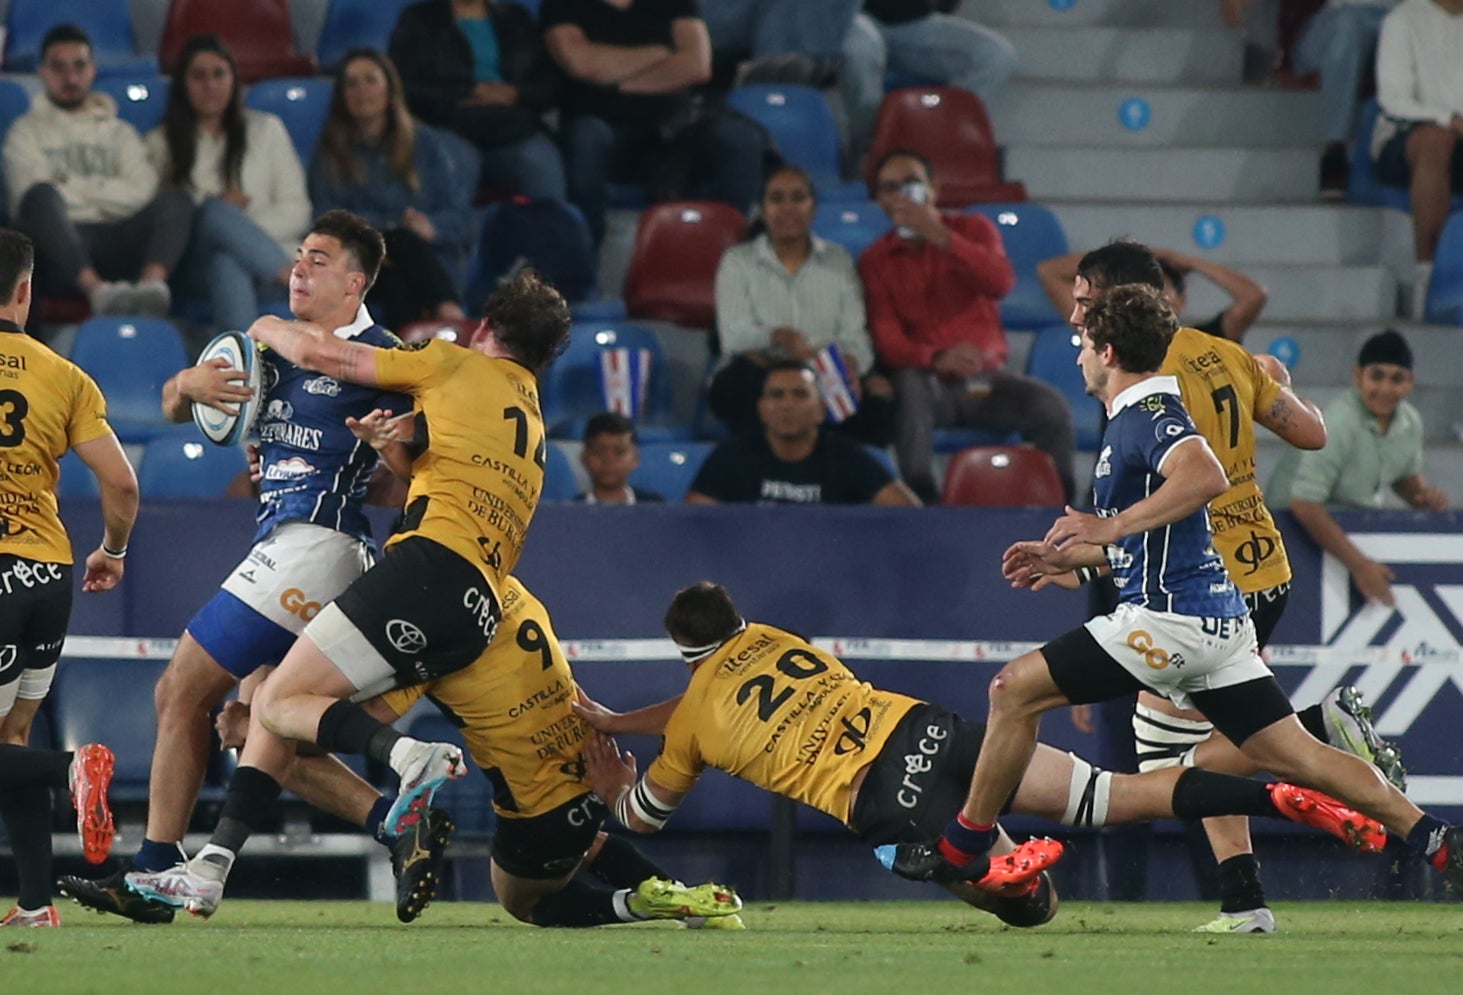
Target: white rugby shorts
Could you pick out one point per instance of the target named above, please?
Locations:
(296, 570)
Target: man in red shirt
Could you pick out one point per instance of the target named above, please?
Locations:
(933, 286)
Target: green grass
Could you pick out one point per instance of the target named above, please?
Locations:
(315, 948)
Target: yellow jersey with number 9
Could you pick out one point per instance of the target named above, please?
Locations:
(771, 709)
(478, 452)
(1223, 386)
(47, 405)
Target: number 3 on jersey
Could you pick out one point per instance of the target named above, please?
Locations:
(13, 409)
(519, 417)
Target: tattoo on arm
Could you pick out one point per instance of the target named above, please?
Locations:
(1281, 417)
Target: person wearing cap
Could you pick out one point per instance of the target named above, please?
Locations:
(1374, 442)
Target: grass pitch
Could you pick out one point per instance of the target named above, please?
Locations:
(923, 948)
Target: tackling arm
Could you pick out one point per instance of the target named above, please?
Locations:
(311, 347)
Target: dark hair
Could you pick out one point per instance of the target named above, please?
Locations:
(1121, 261)
(530, 319)
(64, 34)
(902, 154)
(609, 423)
(356, 235)
(17, 259)
(759, 222)
(787, 363)
(340, 136)
(180, 120)
(1136, 321)
(1385, 347)
(702, 614)
(1174, 275)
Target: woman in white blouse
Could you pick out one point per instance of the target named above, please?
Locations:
(241, 168)
(786, 293)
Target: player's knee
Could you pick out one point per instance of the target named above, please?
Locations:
(1089, 795)
(1162, 740)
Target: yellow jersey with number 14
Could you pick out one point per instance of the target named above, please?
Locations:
(1223, 386)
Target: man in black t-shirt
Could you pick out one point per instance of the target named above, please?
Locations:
(793, 461)
(630, 111)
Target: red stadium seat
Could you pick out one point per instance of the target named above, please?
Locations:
(949, 127)
(1002, 477)
(459, 330)
(673, 265)
(261, 38)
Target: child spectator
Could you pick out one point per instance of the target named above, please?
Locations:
(609, 456)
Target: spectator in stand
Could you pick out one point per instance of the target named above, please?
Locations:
(784, 41)
(631, 111)
(1373, 442)
(479, 68)
(1246, 297)
(240, 168)
(1415, 144)
(81, 188)
(1339, 42)
(375, 161)
(610, 454)
(794, 460)
(786, 293)
(934, 286)
(921, 38)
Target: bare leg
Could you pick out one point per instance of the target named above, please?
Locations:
(288, 706)
(1020, 693)
(190, 688)
(1430, 157)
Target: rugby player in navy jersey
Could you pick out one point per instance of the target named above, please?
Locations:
(312, 540)
(1181, 628)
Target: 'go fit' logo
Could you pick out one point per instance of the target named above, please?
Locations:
(1154, 656)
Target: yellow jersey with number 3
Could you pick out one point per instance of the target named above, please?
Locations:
(47, 405)
(1223, 386)
(478, 455)
(512, 705)
(771, 709)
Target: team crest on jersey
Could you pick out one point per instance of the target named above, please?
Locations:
(322, 385)
(1152, 403)
(279, 410)
(1168, 428)
(1104, 463)
(291, 469)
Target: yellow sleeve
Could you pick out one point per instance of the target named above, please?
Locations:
(416, 367)
(679, 765)
(1267, 388)
(400, 700)
(88, 413)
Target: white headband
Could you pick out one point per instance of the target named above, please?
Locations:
(695, 654)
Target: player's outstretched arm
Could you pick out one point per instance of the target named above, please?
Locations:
(647, 721)
(118, 484)
(311, 347)
(641, 806)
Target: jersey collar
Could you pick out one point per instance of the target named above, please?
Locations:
(1143, 388)
(363, 321)
(6, 325)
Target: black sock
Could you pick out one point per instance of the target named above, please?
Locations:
(1201, 794)
(577, 905)
(27, 813)
(252, 793)
(1428, 839)
(1240, 889)
(345, 728)
(621, 864)
(1314, 722)
(21, 765)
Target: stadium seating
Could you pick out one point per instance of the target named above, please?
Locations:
(853, 225)
(263, 43)
(548, 235)
(141, 97)
(1445, 290)
(1030, 233)
(183, 464)
(356, 24)
(109, 701)
(1054, 359)
(131, 359)
(1362, 185)
(77, 480)
(802, 127)
(559, 482)
(459, 331)
(570, 391)
(1002, 477)
(107, 22)
(949, 127)
(673, 264)
(301, 103)
(668, 468)
(14, 101)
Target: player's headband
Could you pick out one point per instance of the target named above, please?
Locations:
(695, 654)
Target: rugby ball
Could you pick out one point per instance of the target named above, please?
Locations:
(218, 427)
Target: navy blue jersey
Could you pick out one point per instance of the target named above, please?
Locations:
(1173, 568)
(315, 470)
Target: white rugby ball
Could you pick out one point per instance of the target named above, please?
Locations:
(218, 427)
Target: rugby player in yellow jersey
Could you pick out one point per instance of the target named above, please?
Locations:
(765, 705)
(47, 405)
(432, 604)
(1227, 391)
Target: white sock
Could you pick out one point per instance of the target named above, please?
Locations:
(213, 862)
(1422, 274)
(400, 751)
(621, 899)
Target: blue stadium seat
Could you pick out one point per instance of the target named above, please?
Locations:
(469, 799)
(802, 127)
(570, 391)
(107, 22)
(952, 440)
(853, 225)
(549, 235)
(110, 702)
(1054, 359)
(356, 24)
(14, 101)
(1362, 185)
(131, 359)
(559, 482)
(301, 102)
(1031, 233)
(77, 480)
(1445, 291)
(141, 97)
(183, 464)
(668, 468)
